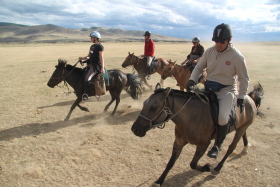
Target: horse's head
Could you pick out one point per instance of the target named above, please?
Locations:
(57, 75)
(168, 70)
(153, 113)
(130, 60)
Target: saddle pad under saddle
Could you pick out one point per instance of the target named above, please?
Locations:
(106, 77)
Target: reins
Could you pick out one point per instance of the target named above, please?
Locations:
(168, 111)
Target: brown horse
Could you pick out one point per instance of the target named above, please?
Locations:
(181, 74)
(191, 114)
(141, 67)
(74, 76)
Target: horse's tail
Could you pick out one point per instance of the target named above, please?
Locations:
(257, 96)
(133, 87)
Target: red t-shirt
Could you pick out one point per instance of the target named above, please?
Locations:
(149, 49)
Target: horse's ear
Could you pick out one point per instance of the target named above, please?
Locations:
(175, 62)
(169, 61)
(158, 86)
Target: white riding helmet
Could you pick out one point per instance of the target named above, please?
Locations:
(95, 34)
(195, 40)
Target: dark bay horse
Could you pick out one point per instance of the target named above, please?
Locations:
(181, 74)
(194, 125)
(141, 67)
(74, 77)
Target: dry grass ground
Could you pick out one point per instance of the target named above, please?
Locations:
(37, 148)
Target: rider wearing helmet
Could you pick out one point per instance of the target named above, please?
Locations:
(149, 50)
(196, 53)
(95, 60)
(225, 65)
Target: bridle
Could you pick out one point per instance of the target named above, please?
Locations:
(166, 110)
(171, 72)
(134, 60)
(62, 77)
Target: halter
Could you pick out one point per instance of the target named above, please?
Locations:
(167, 111)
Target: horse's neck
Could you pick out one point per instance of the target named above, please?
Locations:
(179, 71)
(72, 78)
(139, 64)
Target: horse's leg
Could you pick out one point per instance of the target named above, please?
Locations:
(182, 88)
(112, 100)
(145, 81)
(76, 103)
(177, 149)
(245, 140)
(161, 81)
(238, 134)
(118, 99)
(83, 108)
(200, 150)
(245, 143)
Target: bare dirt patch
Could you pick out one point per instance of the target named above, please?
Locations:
(37, 148)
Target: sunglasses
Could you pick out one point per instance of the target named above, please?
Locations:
(221, 42)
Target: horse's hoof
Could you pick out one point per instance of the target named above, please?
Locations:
(206, 168)
(155, 185)
(214, 172)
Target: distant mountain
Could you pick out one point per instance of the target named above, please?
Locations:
(10, 32)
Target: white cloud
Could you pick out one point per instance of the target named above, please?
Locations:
(181, 18)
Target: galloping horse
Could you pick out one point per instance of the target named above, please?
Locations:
(191, 114)
(74, 77)
(181, 74)
(141, 67)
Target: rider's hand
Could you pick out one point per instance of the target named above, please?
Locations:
(102, 70)
(80, 58)
(190, 85)
(240, 103)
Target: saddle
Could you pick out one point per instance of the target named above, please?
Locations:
(153, 66)
(214, 108)
(98, 83)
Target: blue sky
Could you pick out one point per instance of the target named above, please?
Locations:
(251, 20)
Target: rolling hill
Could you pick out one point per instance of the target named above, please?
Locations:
(10, 32)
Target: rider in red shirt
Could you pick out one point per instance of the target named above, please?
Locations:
(149, 49)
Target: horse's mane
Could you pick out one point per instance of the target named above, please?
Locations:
(74, 69)
(63, 63)
(175, 92)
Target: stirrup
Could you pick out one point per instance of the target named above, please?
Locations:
(213, 153)
(85, 96)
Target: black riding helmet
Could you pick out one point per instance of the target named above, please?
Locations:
(147, 33)
(222, 32)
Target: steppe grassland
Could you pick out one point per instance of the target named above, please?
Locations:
(38, 149)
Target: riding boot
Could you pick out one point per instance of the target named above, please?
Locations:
(149, 72)
(85, 95)
(222, 132)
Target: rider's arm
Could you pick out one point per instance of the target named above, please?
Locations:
(85, 58)
(101, 57)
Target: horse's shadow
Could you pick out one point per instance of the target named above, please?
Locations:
(182, 179)
(91, 100)
(35, 129)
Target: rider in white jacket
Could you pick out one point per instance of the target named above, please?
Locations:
(225, 65)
